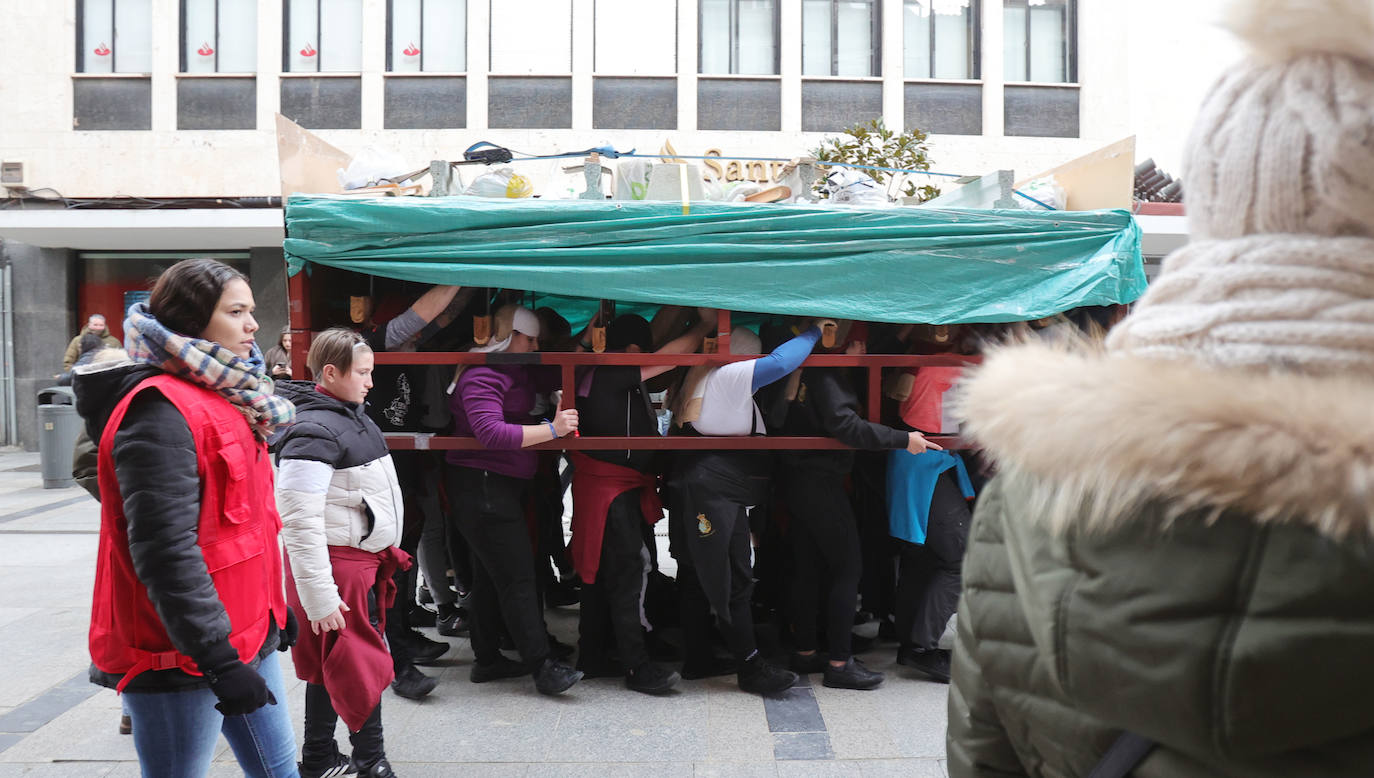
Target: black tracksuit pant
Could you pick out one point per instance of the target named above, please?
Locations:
(613, 600)
(319, 747)
(714, 489)
(825, 552)
(930, 575)
(489, 510)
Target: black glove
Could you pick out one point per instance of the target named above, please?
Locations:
(287, 635)
(240, 689)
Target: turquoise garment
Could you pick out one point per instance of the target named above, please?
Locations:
(872, 264)
(911, 484)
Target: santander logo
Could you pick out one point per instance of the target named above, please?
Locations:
(411, 51)
(102, 50)
(205, 49)
(308, 51)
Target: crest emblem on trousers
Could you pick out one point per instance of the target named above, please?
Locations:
(704, 528)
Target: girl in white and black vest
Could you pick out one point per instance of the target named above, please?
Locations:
(341, 509)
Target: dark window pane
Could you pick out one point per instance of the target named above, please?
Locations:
(1041, 111)
(828, 106)
(738, 104)
(634, 103)
(217, 103)
(945, 109)
(432, 103)
(323, 103)
(112, 104)
(529, 103)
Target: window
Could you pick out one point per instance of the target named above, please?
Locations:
(635, 38)
(739, 37)
(114, 36)
(427, 36)
(941, 38)
(219, 36)
(1040, 40)
(840, 38)
(323, 36)
(531, 36)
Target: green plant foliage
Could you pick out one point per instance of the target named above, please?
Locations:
(872, 143)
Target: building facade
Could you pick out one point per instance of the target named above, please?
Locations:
(175, 101)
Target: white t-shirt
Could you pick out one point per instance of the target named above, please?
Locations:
(727, 401)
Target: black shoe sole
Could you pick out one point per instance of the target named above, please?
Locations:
(560, 687)
(856, 686)
(931, 676)
(663, 687)
(414, 692)
(500, 673)
(770, 690)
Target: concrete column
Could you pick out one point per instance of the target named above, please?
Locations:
(44, 289)
(269, 64)
(893, 63)
(687, 67)
(789, 64)
(992, 64)
(267, 271)
(166, 43)
(583, 62)
(374, 63)
(479, 62)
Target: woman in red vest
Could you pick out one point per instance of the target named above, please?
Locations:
(189, 609)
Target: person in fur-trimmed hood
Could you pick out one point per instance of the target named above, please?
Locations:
(1180, 542)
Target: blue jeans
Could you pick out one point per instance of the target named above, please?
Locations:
(175, 733)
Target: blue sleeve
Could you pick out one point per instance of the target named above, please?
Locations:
(784, 359)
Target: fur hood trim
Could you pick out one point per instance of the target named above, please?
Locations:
(1100, 434)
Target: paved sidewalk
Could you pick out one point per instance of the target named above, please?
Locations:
(54, 723)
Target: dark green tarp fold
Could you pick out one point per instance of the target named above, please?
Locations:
(890, 264)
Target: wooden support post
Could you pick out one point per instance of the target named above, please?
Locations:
(298, 288)
(875, 394)
(569, 399)
(723, 331)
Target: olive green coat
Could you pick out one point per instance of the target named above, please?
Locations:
(1178, 552)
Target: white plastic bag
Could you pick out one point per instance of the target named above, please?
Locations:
(502, 182)
(370, 166)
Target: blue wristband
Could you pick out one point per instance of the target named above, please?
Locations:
(552, 429)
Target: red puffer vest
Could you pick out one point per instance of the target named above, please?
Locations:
(237, 534)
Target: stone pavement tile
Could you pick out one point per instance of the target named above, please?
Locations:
(794, 711)
(609, 770)
(902, 768)
(826, 769)
(59, 770)
(49, 705)
(8, 615)
(87, 731)
(873, 741)
(458, 769)
(42, 651)
(801, 746)
(768, 769)
(610, 723)
(501, 721)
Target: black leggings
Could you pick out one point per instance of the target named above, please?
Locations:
(613, 600)
(825, 549)
(930, 574)
(489, 510)
(319, 747)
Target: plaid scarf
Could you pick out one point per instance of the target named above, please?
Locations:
(243, 382)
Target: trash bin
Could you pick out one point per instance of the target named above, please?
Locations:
(58, 426)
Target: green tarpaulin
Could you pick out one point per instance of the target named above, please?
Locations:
(889, 264)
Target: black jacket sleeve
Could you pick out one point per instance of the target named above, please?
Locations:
(837, 406)
(155, 464)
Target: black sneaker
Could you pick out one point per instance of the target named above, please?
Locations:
(708, 668)
(503, 667)
(453, 625)
(650, 678)
(805, 664)
(423, 650)
(760, 677)
(554, 677)
(560, 595)
(378, 769)
(852, 676)
(340, 765)
(934, 664)
(413, 684)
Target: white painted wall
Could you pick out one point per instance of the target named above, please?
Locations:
(1144, 66)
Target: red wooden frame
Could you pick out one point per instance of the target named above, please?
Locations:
(301, 335)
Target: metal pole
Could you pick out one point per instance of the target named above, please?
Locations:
(10, 427)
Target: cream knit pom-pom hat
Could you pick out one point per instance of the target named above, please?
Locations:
(1279, 273)
(1285, 142)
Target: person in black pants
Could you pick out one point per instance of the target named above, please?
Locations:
(824, 531)
(929, 578)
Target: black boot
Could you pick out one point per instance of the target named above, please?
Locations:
(650, 678)
(852, 676)
(554, 677)
(760, 677)
(413, 684)
(934, 664)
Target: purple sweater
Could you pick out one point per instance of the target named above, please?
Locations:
(491, 403)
